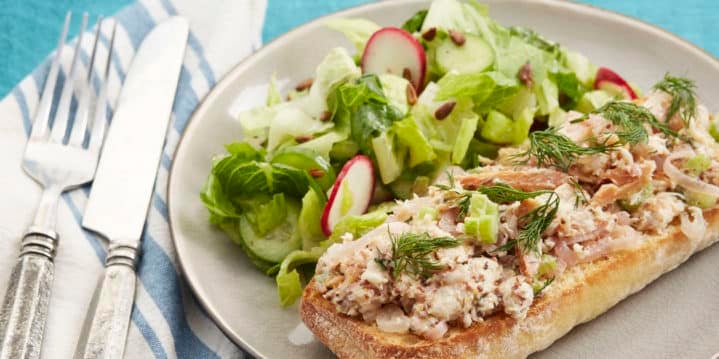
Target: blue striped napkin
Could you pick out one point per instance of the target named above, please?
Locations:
(166, 320)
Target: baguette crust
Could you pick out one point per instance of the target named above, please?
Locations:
(580, 294)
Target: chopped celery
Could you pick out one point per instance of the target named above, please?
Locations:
(547, 265)
(634, 201)
(522, 124)
(713, 130)
(498, 128)
(547, 97)
(483, 221)
(593, 100)
(581, 66)
(389, 164)
(488, 228)
(698, 164)
(426, 212)
(410, 136)
(700, 200)
(471, 226)
(421, 185)
(478, 204)
(524, 99)
(557, 118)
(464, 136)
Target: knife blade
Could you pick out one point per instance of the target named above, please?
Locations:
(123, 185)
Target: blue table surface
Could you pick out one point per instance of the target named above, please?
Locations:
(29, 28)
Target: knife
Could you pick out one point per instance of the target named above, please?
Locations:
(124, 181)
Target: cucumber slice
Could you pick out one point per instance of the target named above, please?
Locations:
(278, 242)
(475, 55)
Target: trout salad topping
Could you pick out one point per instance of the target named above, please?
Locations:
(452, 169)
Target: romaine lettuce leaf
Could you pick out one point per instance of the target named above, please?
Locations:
(358, 31)
(291, 122)
(309, 221)
(395, 89)
(265, 216)
(471, 17)
(274, 96)
(288, 279)
(256, 122)
(516, 54)
(414, 23)
(410, 136)
(336, 68)
(531, 37)
(243, 150)
(362, 108)
(240, 177)
(323, 144)
(487, 89)
(569, 86)
(357, 225)
(219, 205)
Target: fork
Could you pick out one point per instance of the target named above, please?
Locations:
(58, 161)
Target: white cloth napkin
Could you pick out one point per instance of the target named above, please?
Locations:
(166, 320)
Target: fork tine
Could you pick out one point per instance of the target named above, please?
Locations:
(99, 122)
(57, 134)
(77, 135)
(39, 127)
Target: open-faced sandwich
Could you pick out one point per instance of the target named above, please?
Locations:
(462, 189)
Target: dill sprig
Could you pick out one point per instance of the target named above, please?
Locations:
(463, 203)
(579, 196)
(538, 291)
(410, 254)
(631, 118)
(535, 222)
(450, 180)
(683, 95)
(551, 148)
(503, 193)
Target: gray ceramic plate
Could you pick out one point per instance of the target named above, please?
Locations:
(677, 316)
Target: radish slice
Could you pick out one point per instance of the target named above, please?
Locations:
(395, 51)
(351, 193)
(609, 81)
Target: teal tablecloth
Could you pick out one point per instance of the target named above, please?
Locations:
(28, 28)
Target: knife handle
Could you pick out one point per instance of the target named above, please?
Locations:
(108, 320)
(25, 307)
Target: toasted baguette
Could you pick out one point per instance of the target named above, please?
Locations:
(578, 295)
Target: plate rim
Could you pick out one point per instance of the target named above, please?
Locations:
(200, 297)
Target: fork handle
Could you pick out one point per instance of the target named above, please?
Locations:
(108, 320)
(25, 307)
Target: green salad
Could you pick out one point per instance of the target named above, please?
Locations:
(448, 88)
